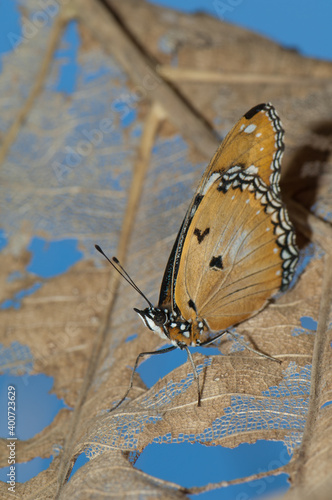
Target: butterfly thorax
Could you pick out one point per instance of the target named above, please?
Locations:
(173, 327)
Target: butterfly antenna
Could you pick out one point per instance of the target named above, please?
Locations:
(118, 267)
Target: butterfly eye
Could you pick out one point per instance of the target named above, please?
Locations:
(159, 317)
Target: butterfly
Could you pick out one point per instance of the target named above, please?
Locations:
(236, 246)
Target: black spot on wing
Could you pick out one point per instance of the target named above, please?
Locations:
(253, 111)
(216, 262)
(192, 304)
(200, 235)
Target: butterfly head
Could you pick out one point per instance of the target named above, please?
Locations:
(155, 319)
(168, 326)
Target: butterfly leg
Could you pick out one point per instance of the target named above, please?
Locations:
(161, 351)
(253, 350)
(195, 374)
(196, 377)
(210, 341)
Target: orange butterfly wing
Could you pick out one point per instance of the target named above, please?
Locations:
(236, 246)
(256, 139)
(230, 263)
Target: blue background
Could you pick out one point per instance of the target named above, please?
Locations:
(298, 24)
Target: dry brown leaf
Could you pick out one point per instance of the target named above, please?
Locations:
(129, 194)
